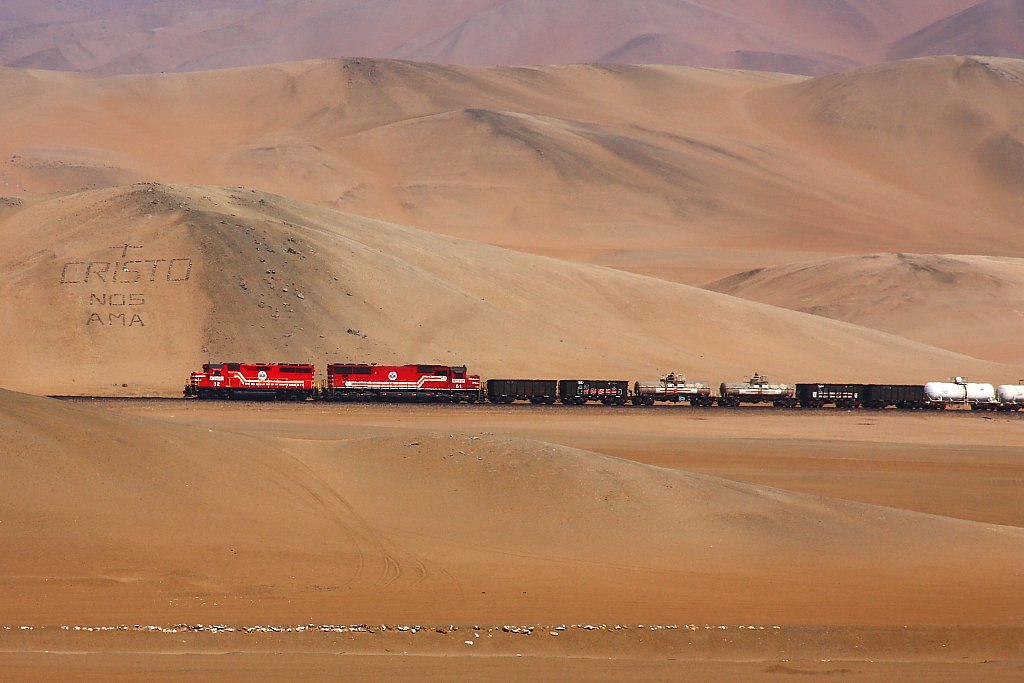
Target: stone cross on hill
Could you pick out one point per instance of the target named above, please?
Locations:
(124, 248)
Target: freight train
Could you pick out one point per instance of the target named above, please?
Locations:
(453, 384)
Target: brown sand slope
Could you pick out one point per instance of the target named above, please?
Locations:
(681, 173)
(178, 35)
(994, 27)
(945, 131)
(125, 290)
(119, 520)
(968, 304)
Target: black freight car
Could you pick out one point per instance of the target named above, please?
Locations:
(821, 395)
(900, 395)
(579, 391)
(532, 390)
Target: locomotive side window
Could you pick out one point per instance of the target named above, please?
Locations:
(349, 370)
(441, 371)
(233, 366)
(459, 375)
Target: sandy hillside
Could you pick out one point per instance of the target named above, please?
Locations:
(795, 36)
(904, 123)
(681, 173)
(994, 27)
(968, 304)
(124, 291)
(161, 523)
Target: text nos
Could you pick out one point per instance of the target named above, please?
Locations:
(114, 319)
(116, 300)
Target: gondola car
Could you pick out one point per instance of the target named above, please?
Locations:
(903, 396)
(580, 391)
(544, 391)
(821, 395)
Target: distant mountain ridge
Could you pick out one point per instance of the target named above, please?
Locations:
(809, 37)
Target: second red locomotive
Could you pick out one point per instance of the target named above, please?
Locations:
(361, 382)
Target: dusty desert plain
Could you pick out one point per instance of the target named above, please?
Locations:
(617, 222)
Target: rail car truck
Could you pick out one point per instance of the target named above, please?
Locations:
(423, 383)
(757, 389)
(253, 381)
(579, 391)
(672, 388)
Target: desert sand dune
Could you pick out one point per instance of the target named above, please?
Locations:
(646, 168)
(114, 519)
(968, 304)
(124, 291)
(185, 35)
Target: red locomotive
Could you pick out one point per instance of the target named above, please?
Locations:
(438, 383)
(270, 381)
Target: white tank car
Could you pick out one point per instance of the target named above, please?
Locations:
(757, 389)
(1011, 395)
(673, 388)
(974, 394)
(945, 392)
